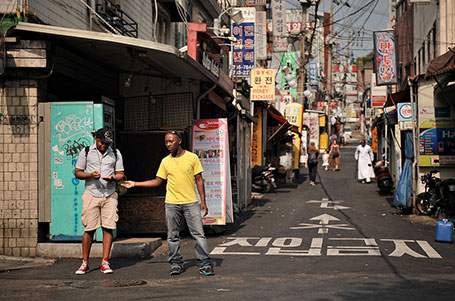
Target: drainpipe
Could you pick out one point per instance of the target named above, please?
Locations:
(198, 100)
(414, 139)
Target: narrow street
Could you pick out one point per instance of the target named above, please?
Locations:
(338, 240)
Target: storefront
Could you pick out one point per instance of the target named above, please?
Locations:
(122, 82)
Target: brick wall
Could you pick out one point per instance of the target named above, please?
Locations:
(18, 168)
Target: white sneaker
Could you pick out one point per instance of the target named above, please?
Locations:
(105, 268)
(83, 268)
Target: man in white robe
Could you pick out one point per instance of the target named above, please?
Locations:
(364, 156)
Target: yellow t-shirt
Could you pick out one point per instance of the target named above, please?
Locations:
(179, 173)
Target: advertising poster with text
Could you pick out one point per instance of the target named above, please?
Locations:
(210, 144)
(294, 115)
(436, 136)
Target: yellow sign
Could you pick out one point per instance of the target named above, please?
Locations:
(294, 114)
(256, 152)
(263, 84)
(374, 140)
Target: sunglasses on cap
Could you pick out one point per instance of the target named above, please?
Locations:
(175, 133)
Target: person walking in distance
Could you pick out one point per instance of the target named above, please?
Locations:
(312, 163)
(364, 156)
(182, 169)
(335, 155)
(100, 166)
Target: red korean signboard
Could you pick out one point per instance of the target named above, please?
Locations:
(385, 50)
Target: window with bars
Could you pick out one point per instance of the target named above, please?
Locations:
(153, 112)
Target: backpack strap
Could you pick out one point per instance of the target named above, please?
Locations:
(87, 149)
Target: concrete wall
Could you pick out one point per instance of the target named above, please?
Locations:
(74, 14)
(425, 15)
(18, 168)
(446, 32)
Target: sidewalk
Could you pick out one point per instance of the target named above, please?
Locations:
(9, 263)
(48, 252)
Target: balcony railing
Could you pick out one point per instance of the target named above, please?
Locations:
(117, 18)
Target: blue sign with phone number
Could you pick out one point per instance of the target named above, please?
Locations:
(243, 59)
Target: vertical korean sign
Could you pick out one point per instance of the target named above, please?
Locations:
(385, 65)
(263, 84)
(261, 35)
(210, 144)
(243, 59)
(313, 74)
(378, 94)
(280, 43)
(294, 115)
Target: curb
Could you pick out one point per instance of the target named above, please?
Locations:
(125, 248)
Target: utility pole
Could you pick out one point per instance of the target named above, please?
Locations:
(301, 80)
(329, 71)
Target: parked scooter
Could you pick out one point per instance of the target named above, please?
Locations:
(383, 178)
(439, 196)
(263, 178)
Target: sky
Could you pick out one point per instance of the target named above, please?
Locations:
(372, 15)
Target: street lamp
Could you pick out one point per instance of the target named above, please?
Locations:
(235, 16)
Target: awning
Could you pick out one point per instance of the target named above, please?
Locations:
(276, 115)
(441, 64)
(121, 53)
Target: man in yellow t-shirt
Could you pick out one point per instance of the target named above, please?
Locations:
(181, 169)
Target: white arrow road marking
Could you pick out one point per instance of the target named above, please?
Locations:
(323, 226)
(325, 203)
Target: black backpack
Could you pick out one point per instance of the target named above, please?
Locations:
(312, 159)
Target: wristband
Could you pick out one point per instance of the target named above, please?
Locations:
(134, 183)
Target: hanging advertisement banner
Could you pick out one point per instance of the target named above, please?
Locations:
(243, 60)
(378, 93)
(261, 36)
(374, 140)
(280, 43)
(210, 144)
(312, 75)
(311, 120)
(437, 136)
(385, 57)
(262, 84)
(256, 149)
(288, 62)
(294, 115)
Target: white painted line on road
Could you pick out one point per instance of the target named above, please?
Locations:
(323, 226)
(263, 242)
(401, 248)
(428, 249)
(241, 241)
(314, 250)
(325, 203)
(285, 246)
(221, 251)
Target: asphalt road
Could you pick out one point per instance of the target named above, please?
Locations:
(339, 240)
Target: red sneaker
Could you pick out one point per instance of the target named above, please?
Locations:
(105, 268)
(83, 268)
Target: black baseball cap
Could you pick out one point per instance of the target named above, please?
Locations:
(105, 135)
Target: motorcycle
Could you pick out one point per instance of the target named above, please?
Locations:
(263, 178)
(439, 196)
(383, 177)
